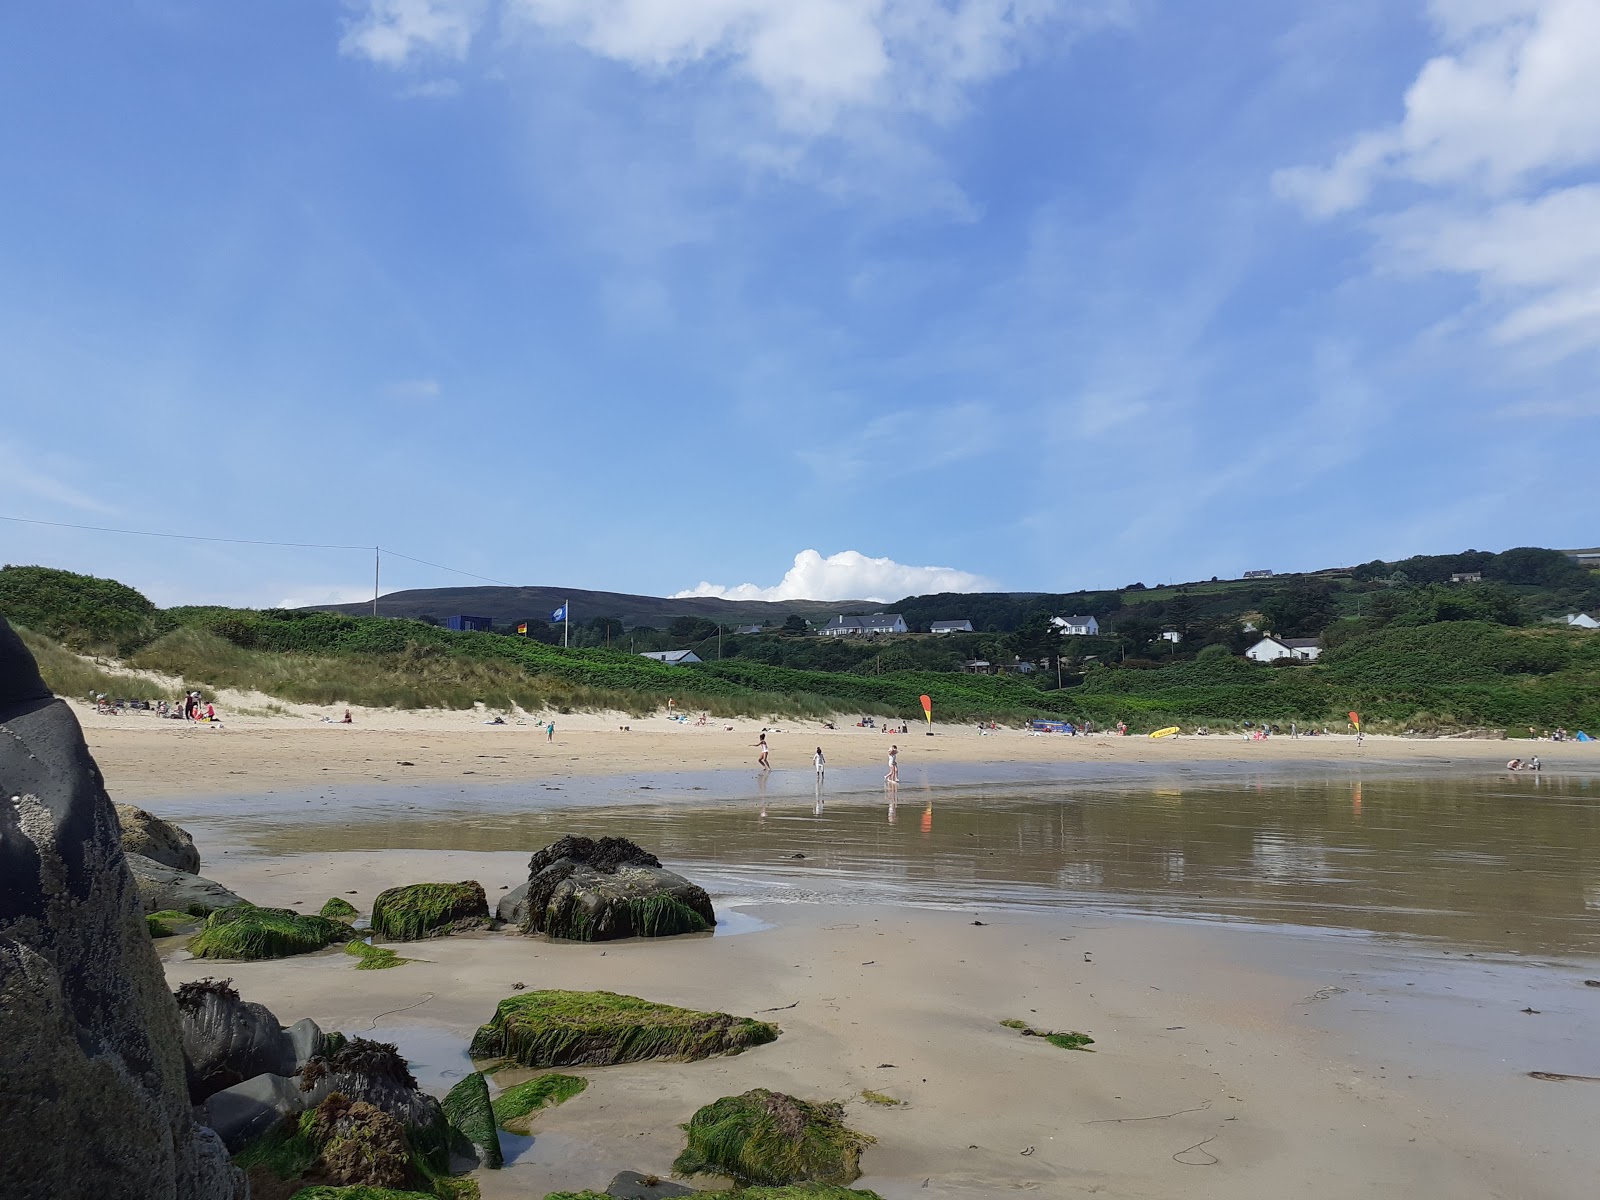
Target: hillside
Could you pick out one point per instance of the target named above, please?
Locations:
(508, 605)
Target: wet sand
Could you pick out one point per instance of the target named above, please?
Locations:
(1279, 1047)
(145, 757)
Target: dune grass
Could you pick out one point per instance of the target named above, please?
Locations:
(515, 1108)
(245, 931)
(423, 910)
(70, 674)
(767, 1138)
(558, 1028)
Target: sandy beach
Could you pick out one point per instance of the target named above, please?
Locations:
(144, 757)
(1250, 1061)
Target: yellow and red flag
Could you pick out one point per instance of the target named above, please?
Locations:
(1355, 719)
(927, 709)
(523, 629)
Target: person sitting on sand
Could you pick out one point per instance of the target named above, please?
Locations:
(1514, 765)
(347, 719)
(1533, 764)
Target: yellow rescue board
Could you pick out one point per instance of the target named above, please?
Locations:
(1169, 731)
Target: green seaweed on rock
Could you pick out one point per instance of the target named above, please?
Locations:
(373, 958)
(470, 1113)
(559, 1028)
(768, 1138)
(168, 922)
(337, 908)
(423, 910)
(1066, 1040)
(323, 1192)
(244, 931)
(516, 1107)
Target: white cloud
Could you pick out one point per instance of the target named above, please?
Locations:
(849, 575)
(29, 473)
(413, 389)
(813, 59)
(310, 594)
(397, 32)
(1481, 170)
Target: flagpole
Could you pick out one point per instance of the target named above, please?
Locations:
(566, 621)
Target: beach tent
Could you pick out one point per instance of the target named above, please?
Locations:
(1584, 737)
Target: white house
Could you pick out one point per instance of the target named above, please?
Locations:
(1271, 649)
(877, 623)
(1171, 635)
(1582, 621)
(748, 629)
(1258, 574)
(1466, 577)
(1077, 625)
(951, 627)
(673, 658)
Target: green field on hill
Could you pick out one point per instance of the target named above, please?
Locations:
(1407, 650)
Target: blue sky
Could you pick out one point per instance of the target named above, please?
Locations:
(637, 294)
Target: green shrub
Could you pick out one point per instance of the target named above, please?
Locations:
(79, 610)
(557, 1028)
(766, 1137)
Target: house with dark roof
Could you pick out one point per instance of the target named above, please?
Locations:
(950, 627)
(673, 658)
(875, 625)
(1271, 649)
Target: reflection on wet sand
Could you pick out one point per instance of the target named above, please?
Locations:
(1501, 863)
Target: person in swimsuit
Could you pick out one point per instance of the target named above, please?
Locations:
(762, 757)
(819, 762)
(894, 765)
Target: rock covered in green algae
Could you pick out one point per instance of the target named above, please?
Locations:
(169, 922)
(321, 1192)
(515, 1108)
(337, 908)
(93, 1099)
(424, 910)
(248, 932)
(767, 1138)
(557, 1028)
(470, 1113)
(587, 890)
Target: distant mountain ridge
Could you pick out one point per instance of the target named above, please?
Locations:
(508, 605)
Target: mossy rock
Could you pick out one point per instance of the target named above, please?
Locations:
(247, 932)
(169, 922)
(556, 1029)
(470, 1113)
(337, 908)
(515, 1108)
(769, 1139)
(587, 890)
(424, 910)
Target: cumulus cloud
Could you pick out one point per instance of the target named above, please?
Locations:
(813, 60)
(1493, 131)
(848, 575)
(397, 32)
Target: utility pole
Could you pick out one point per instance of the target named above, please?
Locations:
(375, 567)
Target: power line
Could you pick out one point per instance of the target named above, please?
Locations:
(193, 537)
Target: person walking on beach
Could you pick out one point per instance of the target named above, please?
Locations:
(550, 732)
(894, 765)
(762, 757)
(820, 763)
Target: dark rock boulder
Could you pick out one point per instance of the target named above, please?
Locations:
(227, 1040)
(245, 1111)
(592, 891)
(376, 1073)
(158, 840)
(165, 889)
(513, 906)
(307, 1041)
(94, 1102)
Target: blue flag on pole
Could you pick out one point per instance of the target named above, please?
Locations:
(560, 614)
